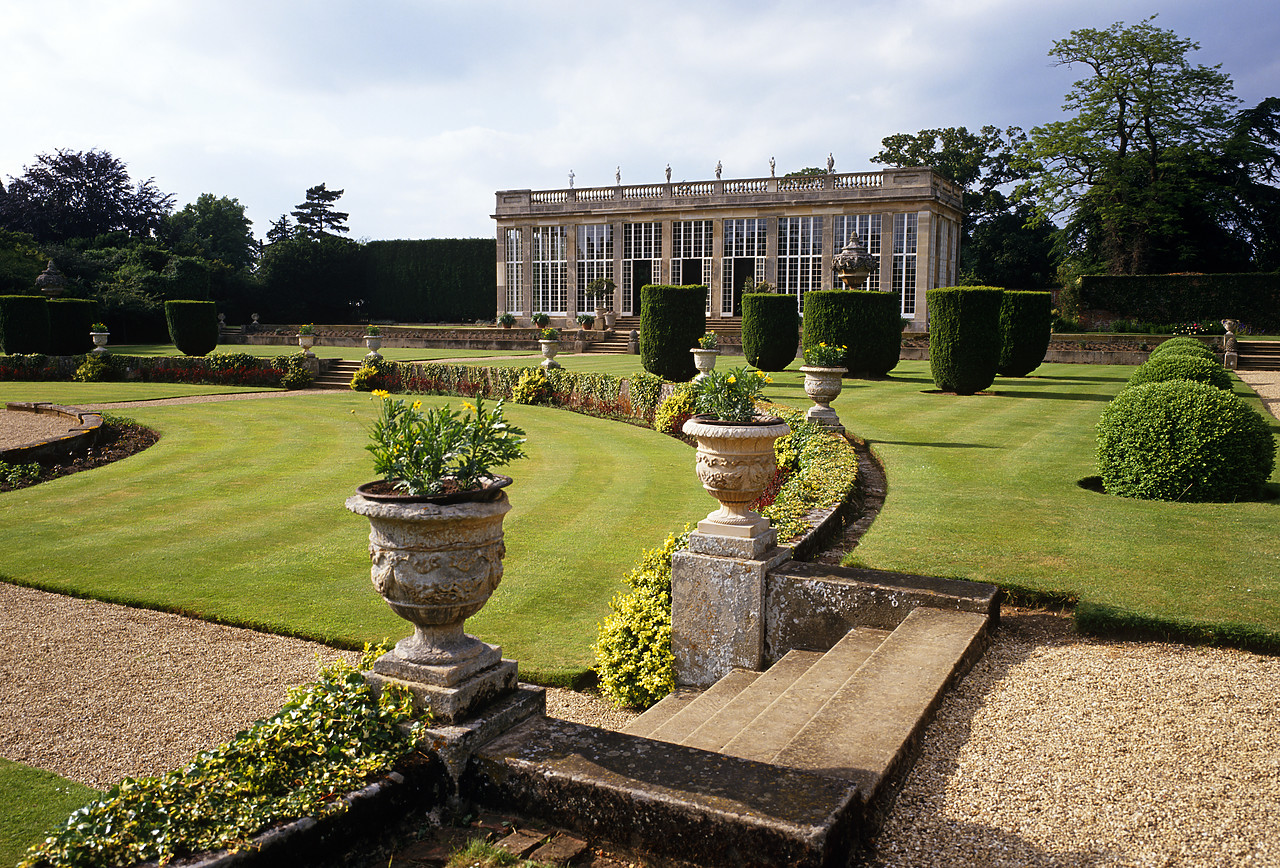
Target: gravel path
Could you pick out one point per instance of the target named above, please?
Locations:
(18, 428)
(1054, 751)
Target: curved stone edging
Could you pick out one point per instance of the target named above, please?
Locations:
(82, 433)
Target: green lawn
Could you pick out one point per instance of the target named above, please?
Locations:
(36, 804)
(985, 488)
(237, 515)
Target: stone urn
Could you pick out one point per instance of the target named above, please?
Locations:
(99, 341)
(735, 462)
(373, 343)
(549, 350)
(307, 342)
(610, 317)
(704, 361)
(823, 386)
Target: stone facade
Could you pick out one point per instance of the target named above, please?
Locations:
(723, 233)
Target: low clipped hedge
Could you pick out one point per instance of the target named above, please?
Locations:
(24, 324)
(770, 330)
(1183, 441)
(193, 326)
(1183, 346)
(672, 318)
(1026, 324)
(1172, 366)
(964, 337)
(70, 321)
(867, 324)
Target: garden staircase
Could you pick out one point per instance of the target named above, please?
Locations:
(789, 766)
(1258, 355)
(335, 374)
(618, 343)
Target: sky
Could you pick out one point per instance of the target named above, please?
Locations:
(421, 110)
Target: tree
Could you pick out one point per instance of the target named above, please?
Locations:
(316, 216)
(1129, 166)
(215, 228)
(281, 230)
(81, 194)
(20, 263)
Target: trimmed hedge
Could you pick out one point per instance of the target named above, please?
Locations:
(1183, 441)
(770, 330)
(193, 326)
(1183, 346)
(964, 337)
(867, 324)
(24, 324)
(1026, 324)
(70, 321)
(1173, 366)
(433, 280)
(672, 318)
(1252, 298)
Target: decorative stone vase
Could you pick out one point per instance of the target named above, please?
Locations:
(373, 343)
(704, 361)
(307, 342)
(549, 350)
(823, 386)
(436, 561)
(610, 317)
(99, 341)
(735, 462)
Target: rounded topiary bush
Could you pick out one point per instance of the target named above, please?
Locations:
(1186, 441)
(1026, 323)
(964, 337)
(770, 330)
(24, 324)
(866, 323)
(1183, 346)
(70, 321)
(1174, 366)
(672, 318)
(193, 326)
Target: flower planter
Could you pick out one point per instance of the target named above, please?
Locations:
(735, 462)
(610, 316)
(99, 341)
(704, 361)
(307, 342)
(823, 386)
(373, 343)
(549, 350)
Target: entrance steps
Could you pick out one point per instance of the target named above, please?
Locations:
(616, 342)
(782, 767)
(1257, 355)
(335, 374)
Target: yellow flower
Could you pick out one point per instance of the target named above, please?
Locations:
(381, 393)
(732, 379)
(417, 405)
(469, 406)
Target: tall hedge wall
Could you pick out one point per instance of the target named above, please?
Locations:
(1026, 324)
(24, 324)
(867, 323)
(964, 337)
(70, 320)
(1252, 298)
(433, 280)
(770, 330)
(193, 326)
(672, 318)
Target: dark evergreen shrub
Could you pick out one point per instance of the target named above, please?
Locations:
(964, 337)
(70, 321)
(1183, 346)
(672, 318)
(770, 330)
(867, 324)
(24, 324)
(193, 326)
(1183, 441)
(1026, 323)
(1173, 366)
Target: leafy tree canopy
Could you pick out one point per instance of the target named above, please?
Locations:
(215, 228)
(316, 217)
(81, 194)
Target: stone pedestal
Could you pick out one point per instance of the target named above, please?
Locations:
(453, 692)
(717, 604)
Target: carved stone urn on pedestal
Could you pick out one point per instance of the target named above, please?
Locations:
(549, 350)
(823, 385)
(735, 462)
(704, 361)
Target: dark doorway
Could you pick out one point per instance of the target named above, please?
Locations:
(743, 269)
(641, 276)
(691, 272)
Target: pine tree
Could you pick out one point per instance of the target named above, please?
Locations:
(316, 216)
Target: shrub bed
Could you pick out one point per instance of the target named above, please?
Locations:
(1184, 441)
(964, 337)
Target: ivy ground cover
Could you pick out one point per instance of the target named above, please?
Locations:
(237, 515)
(984, 487)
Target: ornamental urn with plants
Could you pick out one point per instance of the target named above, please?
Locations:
(704, 355)
(823, 370)
(549, 341)
(735, 458)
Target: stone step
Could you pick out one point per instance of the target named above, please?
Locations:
(720, 728)
(714, 698)
(773, 728)
(870, 723)
(665, 709)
